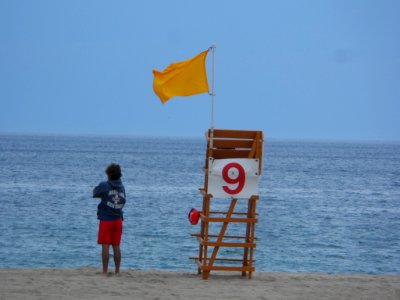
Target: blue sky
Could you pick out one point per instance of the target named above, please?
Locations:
(295, 69)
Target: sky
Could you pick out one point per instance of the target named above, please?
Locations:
(294, 69)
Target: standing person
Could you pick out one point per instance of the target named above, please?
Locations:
(109, 212)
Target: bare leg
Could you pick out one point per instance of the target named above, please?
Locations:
(105, 254)
(117, 258)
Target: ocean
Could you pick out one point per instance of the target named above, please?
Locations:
(325, 206)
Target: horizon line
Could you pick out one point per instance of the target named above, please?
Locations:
(135, 135)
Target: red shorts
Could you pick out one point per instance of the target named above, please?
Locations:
(110, 232)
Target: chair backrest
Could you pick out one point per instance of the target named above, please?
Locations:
(235, 144)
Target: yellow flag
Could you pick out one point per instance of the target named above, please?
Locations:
(183, 78)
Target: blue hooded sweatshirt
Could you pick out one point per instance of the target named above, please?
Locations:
(112, 194)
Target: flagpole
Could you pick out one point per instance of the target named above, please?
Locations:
(212, 48)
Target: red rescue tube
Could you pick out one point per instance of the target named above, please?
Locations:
(194, 216)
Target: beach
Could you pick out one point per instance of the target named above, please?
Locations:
(88, 283)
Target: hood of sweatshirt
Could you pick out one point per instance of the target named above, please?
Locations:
(115, 183)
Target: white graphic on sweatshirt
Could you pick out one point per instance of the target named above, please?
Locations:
(116, 199)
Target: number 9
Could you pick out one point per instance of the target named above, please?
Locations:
(239, 180)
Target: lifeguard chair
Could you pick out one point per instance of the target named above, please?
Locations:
(234, 162)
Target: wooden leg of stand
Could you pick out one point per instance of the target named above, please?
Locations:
(206, 224)
(202, 236)
(205, 275)
(252, 231)
(246, 250)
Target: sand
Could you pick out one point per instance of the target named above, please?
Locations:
(88, 283)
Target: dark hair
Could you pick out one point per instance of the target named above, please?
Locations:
(113, 171)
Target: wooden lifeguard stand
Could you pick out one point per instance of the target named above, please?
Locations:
(234, 147)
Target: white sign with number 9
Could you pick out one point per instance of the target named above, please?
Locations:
(233, 178)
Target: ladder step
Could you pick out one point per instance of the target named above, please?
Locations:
(225, 244)
(225, 213)
(224, 259)
(224, 268)
(225, 236)
(228, 220)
